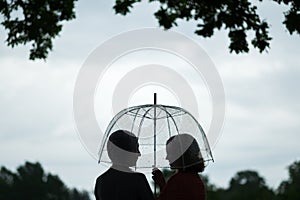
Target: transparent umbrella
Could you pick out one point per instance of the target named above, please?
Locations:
(154, 124)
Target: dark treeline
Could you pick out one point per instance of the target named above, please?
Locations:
(249, 185)
(31, 182)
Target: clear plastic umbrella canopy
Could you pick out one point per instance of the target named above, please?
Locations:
(154, 124)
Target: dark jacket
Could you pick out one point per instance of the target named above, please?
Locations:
(119, 185)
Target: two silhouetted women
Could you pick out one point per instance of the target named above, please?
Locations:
(120, 182)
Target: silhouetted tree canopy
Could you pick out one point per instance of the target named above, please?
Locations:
(77, 195)
(38, 22)
(248, 185)
(30, 182)
(35, 21)
(237, 16)
(290, 189)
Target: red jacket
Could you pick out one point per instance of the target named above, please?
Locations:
(184, 186)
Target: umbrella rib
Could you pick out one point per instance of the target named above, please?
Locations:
(170, 114)
(159, 114)
(146, 113)
(169, 126)
(176, 113)
(203, 136)
(134, 119)
(162, 107)
(110, 126)
(142, 121)
(139, 115)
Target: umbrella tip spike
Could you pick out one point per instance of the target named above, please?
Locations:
(155, 98)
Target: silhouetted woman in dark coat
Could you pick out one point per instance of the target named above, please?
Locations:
(184, 155)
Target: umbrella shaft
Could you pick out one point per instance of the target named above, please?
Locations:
(154, 129)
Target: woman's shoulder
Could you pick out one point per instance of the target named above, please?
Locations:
(121, 173)
(121, 176)
(139, 175)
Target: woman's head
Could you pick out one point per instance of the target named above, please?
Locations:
(123, 148)
(183, 153)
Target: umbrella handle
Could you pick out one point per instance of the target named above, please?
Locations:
(153, 167)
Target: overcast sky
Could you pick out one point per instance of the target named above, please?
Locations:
(261, 130)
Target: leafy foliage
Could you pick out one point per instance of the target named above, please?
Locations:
(32, 183)
(36, 22)
(290, 189)
(248, 185)
(39, 21)
(237, 16)
(292, 17)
